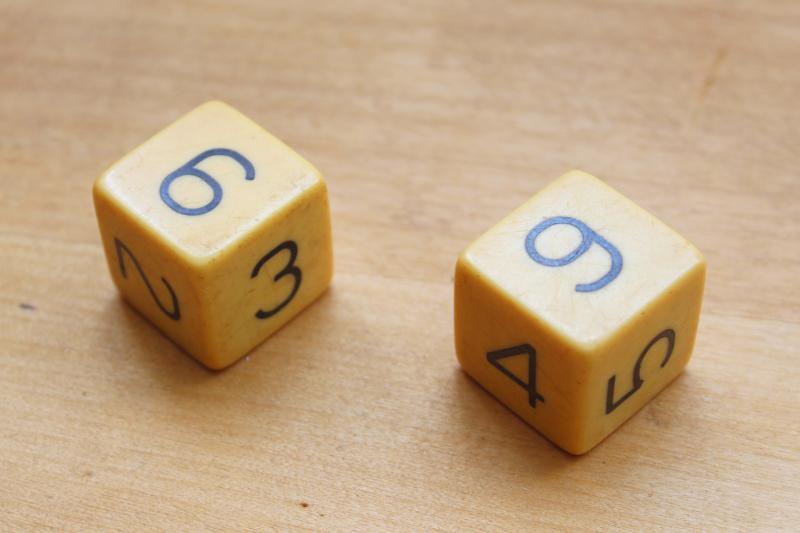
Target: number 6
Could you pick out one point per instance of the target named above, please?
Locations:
(190, 169)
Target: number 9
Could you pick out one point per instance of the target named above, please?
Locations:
(588, 237)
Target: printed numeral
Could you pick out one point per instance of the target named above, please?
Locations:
(668, 334)
(290, 270)
(175, 313)
(495, 357)
(588, 237)
(190, 169)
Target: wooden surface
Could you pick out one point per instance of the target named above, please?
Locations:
(430, 120)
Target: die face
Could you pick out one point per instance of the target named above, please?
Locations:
(242, 247)
(519, 359)
(582, 257)
(642, 357)
(518, 342)
(207, 179)
(266, 279)
(150, 277)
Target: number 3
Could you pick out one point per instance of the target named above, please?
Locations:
(290, 270)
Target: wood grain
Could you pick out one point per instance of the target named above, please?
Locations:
(430, 120)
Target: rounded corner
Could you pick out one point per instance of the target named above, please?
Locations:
(214, 103)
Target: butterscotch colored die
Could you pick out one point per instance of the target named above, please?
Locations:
(577, 309)
(215, 231)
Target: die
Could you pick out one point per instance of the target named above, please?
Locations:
(216, 232)
(577, 309)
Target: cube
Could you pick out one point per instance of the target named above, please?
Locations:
(577, 309)
(216, 232)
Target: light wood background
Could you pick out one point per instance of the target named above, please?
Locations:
(430, 120)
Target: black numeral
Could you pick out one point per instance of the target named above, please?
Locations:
(290, 270)
(495, 357)
(175, 314)
(668, 334)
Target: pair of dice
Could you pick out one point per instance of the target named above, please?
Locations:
(574, 310)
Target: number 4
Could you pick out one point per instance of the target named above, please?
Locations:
(526, 349)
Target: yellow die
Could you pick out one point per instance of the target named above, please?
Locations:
(215, 231)
(577, 309)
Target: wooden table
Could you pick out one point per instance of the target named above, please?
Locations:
(430, 120)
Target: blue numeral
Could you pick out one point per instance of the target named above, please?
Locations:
(190, 169)
(588, 237)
